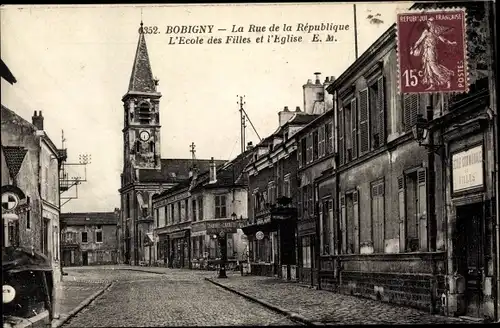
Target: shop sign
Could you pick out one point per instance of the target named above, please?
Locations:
(180, 234)
(264, 220)
(306, 226)
(467, 169)
(224, 226)
(259, 235)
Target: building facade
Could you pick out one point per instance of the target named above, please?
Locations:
(144, 173)
(30, 186)
(89, 238)
(414, 223)
(191, 213)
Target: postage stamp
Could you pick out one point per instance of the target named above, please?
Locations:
(432, 51)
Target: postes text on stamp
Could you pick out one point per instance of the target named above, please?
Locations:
(432, 55)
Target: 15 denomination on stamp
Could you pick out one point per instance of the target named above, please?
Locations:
(432, 51)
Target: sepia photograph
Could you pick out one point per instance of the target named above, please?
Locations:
(249, 164)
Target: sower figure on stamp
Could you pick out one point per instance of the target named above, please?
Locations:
(433, 72)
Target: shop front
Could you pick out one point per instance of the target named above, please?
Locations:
(307, 267)
(179, 249)
(271, 241)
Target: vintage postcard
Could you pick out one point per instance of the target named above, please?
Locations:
(248, 164)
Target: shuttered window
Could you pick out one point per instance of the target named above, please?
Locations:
(378, 218)
(411, 106)
(364, 133)
(321, 141)
(350, 214)
(329, 138)
(341, 124)
(354, 129)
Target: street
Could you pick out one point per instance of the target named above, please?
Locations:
(177, 298)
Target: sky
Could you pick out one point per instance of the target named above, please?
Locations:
(74, 63)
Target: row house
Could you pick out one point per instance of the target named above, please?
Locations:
(30, 186)
(272, 198)
(315, 157)
(411, 181)
(191, 215)
(89, 238)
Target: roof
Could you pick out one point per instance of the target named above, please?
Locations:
(141, 79)
(9, 116)
(229, 174)
(14, 157)
(174, 170)
(6, 73)
(95, 218)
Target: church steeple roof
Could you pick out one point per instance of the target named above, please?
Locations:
(141, 79)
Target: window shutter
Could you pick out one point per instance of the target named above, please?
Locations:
(341, 136)
(299, 152)
(343, 227)
(329, 140)
(380, 235)
(381, 110)
(402, 214)
(321, 141)
(354, 127)
(355, 205)
(411, 109)
(364, 135)
(422, 207)
(309, 145)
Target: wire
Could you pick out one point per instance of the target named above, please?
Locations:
(253, 127)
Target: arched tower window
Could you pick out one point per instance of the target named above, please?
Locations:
(144, 113)
(137, 146)
(152, 146)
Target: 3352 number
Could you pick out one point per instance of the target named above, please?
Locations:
(149, 30)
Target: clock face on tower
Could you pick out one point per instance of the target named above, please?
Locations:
(144, 135)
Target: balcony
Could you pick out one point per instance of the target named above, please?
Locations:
(274, 214)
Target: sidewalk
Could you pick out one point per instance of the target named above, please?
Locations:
(72, 296)
(321, 307)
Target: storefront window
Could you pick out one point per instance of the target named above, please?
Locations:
(263, 250)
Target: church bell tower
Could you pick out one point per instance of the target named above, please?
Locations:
(141, 104)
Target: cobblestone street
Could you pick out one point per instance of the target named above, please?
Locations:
(324, 307)
(174, 298)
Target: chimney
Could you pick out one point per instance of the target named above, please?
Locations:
(37, 120)
(213, 171)
(249, 145)
(285, 115)
(317, 77)
(297, 109)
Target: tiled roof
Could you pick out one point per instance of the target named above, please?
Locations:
(94, 218)
(174, 170)
(6, 73)
(14, 157)
(302, 119)
(141, 78)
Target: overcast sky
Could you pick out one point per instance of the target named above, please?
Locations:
(74, 64)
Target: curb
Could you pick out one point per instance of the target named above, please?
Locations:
(81, 306)
(291, 315)
(138, 270)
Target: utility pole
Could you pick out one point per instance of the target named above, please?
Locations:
(355, 33)
(243, 120)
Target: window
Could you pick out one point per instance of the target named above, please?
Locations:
(263, 250)
(157, 214)
(200, 208)
(412, 189)
(98, 236)
(309, 144)
(342, 145)
(329, 138)
(306, 252)
(411, 106)
(129, 208)
(179, 211)
(193, 209)
(377, 113)
(84, 237)
(144, 114)
(182, 213)
(271, 192)
(220, 206)
(286, 186)
(310, 191)
(327, 226)
(305, 202)
(315, 145)
(46, 225)
(161, 215)
(28, 214)
(302, 152)
(349, 130)
(321, 141)
(364, 122)
(349, 209)
(377, 218)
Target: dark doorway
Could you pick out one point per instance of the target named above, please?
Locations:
(67, 258)
(85, 258)
(470, 255)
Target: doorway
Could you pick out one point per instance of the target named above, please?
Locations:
(85, 258)
(470, 255)
(66, 258)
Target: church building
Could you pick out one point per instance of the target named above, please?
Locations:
(144, 173)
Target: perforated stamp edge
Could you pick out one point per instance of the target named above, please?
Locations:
(466, 53)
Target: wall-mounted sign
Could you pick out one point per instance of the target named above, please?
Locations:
(9, 293)
(467, 169)
(259, 235)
